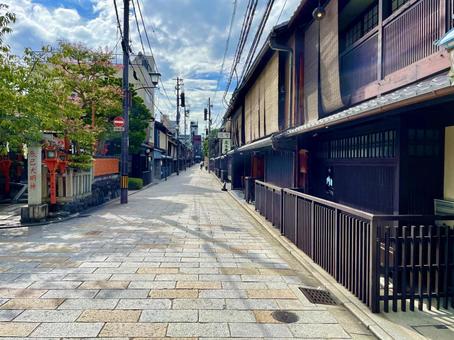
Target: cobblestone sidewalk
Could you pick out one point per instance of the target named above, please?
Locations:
(181, 260)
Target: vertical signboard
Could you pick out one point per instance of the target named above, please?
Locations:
(34, 175)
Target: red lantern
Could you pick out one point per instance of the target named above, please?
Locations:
(51, 160)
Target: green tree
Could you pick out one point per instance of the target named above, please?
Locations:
(212, 136)
(31, 101)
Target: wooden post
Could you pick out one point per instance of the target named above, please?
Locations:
(374, 275)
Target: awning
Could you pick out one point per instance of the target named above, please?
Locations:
(412, 94)
(262, 143)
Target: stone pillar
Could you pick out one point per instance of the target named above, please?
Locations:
(36, 210)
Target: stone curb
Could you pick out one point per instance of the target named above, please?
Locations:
(348, 300)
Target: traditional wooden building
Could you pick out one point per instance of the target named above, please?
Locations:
(346, 122)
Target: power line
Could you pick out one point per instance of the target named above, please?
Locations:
(226, 49)
(257, 37)
(151, 50)
(118, 17)
(282, 10)
(137, 24)
(247, 22)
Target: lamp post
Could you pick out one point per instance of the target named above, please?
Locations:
(447, 41)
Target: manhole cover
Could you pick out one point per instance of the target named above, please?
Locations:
(318, 296)
(285, 317)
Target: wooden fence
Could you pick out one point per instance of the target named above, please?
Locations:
(380, 259)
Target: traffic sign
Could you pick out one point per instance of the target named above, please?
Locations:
(119, 128)
(119, 121)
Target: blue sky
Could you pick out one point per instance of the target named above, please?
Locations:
(188, 37)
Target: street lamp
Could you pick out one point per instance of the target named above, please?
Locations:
(319, 12)
(155, 77)
(447, 41)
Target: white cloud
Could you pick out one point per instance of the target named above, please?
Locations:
(187, 36)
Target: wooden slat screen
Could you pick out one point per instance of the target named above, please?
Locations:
(410, 36)
(311, 72)
(261, 103)
(329, 59)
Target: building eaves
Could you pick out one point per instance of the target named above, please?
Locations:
(437, 86)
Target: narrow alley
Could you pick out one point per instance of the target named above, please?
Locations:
(181, 260)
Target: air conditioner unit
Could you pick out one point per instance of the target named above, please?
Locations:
(444, 208)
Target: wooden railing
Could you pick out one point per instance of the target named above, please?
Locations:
(409, 36)
(378, 258)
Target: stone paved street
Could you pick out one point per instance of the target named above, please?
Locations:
(181, 260)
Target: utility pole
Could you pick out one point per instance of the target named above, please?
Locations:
(125, 134)
(186, 115)
(178, 123)
(208, 119)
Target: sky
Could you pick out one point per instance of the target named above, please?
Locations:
(187, 37)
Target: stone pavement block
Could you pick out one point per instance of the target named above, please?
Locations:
(259, 330)
(176, 277)
(133, 330)
(21, 293)
(144, 304)
(139, 265)
(203, 270)
(175, 294)
(151, 284)
(239, 271)
(48, 316)
(119, 270)
(9, 314)
(87, 277)
(243, 285)
(248, 304)
(199, 285)
(14, 284)
(89, 304)
(220, 330)
(67, 329)
(219, 277)
(132, 277)
(15, 329)
(162, 315)
(104, 285)
(223, 293)
(56, 285)
(100, 265)
(276, 271)
(179, 265)
(226, 316)
(69, 293)
(198, 304)
(325, 331)
(20, 303)
(145, 270)
(270, 294)
(72, 270)
(261, 278)
(106, 315)
(122, 294)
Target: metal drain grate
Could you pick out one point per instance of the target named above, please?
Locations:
(318, 296)
(284, 316)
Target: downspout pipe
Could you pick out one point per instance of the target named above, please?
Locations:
(274, 45)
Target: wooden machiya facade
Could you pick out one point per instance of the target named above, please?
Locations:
(346, 128)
